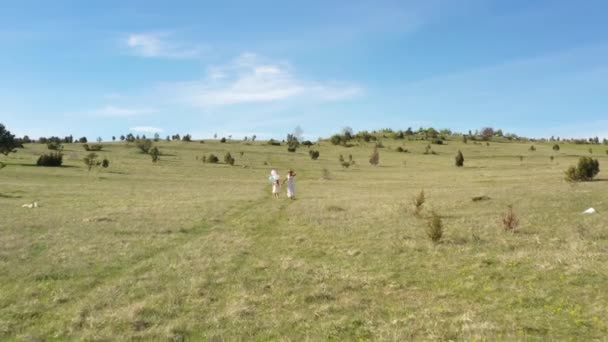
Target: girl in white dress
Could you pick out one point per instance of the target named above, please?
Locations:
(276, 185)
(291, 184)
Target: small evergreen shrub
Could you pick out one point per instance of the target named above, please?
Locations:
(213, 159)
(154, 154)
(92, 148)
(586, 169)
(291, 148)
(437, 141)
(555, 147)
(52, 159)
(314, 155)
(459, 159)
(532, 148)
(228, 159)
(90, 161)
(374, 159)
(273, 142)
(434, 228)
(223, 140)
(54, 146)
(105, 163)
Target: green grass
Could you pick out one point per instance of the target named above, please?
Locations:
(186, 250)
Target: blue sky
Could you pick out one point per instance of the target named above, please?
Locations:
(103, 68)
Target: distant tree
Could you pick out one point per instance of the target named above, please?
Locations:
(156, 137)
(83, 140)
(26, 140)
(336, 139)
(90, 161)
(187, 138)
(215, 136)
(409, 131)
(347, 132)
(99, 139)
(464, 139)
(137, 137)
(122, 138)
(8, 143)
(253, 137)
(144, 137)
(168, 138)
(130, 137)
(223, 140)
(292, 143)
(69, 139)
(487, 133)
(431, 133)
(113, 138)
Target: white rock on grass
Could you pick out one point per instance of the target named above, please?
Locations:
(590, 211)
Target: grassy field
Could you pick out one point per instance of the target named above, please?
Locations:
(182, 250)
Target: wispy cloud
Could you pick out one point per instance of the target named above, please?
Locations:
(251, 79)
(146, 129)
(160, 45)
(121, 112)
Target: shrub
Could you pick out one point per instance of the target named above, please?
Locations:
(55, 146)
(532, 148)
(374, 159)
(92, 148)
(228, 159)
(105, 163)
(510, 222)
(325, 174)
(51, 159)
(307, 143)
(586, 169)
(341, 159)
(273, 142)
(213, 159)
(555, 147)
(399, 149)
(437, 141)
(8, 143)
(418, 202)
(551, 158)
(223, 140)
(90, 161)
(434, 228)
(345, 164)
(291, 148)
(314, 155)
(144, 145)
(464, 139)
(459, 159)
(590, 150)
(154, 154)
(336, 139)
(521, 158)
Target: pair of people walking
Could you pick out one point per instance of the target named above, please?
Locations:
(275, 180)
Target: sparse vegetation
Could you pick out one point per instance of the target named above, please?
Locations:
(314, 155)
(510, 221)
(154, 154)
(374, 159)
(92, 148)
(228, 159)
(418, 202)
(144, 145)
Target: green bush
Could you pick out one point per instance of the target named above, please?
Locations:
(223, 140)
(314, 155)
(532, 148)
(273, 142)
(52, 159)
(437, 141)
(105, 163)
(555, 147)
(586, 169)
(459, 159)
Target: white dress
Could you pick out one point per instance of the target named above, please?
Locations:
(291, 186)
(276, 186)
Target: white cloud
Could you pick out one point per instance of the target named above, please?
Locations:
(159, 45)
(146, 129)
(250, 79)
(113, 111)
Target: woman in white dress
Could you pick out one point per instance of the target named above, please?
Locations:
(276, 185)
(291, 184)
